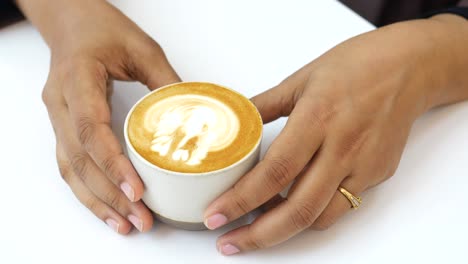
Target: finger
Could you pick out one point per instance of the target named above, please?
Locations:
(346, 146)
(339, 204)
(280, 100)
(85, 168)
(108, 215)
(302, 207)
(150, 66)
(90, 115)
(287, 156)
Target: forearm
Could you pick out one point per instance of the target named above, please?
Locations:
(54, 18)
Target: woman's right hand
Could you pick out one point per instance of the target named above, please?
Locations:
(92, 43)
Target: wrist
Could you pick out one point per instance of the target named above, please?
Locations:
(451, 64)
(435, 57)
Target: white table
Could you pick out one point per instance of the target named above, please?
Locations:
(418, 215)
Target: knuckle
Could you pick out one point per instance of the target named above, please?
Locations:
(302, 215)
(153, 47)
(321, 113)
(75, 65)
(278, 173)
(86, 130)
(253, 242)
(240, 201)
(45, 95)
(79, 164)
(51, 98)
(65, 170)
(318, 122)
(92, 204)
(148, 48)
(291, 92)
(324, 109)
(113, 199)
(109, 165)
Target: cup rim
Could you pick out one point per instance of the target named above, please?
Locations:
(130, 147)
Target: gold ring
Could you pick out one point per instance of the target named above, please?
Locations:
(354, 200)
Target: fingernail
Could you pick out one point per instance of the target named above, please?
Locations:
(215, 221)
(229, 249)
(136, 222)
(128, 190)
(113, 224)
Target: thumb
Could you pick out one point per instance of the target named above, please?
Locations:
(152, 67)
(279, 101)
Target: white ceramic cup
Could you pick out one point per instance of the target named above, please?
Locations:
(178, 198)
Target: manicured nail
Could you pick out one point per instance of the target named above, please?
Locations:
(215, 221)
(229, 249)
(128, 190)
(136, 222)
(113, 224)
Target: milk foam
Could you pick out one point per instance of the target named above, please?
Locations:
(186, 127)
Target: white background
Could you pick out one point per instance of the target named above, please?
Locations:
(419, 215)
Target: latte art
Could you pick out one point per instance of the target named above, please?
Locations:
(187, 127)
(194, 127)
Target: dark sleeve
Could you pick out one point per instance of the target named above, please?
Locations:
(461, 9)
(9, 13)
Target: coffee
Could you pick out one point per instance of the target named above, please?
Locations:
(194, 127)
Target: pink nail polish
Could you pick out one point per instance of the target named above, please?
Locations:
(113, 224)
(229, 249)
(128, 190)
(215, 221)
(136, 222)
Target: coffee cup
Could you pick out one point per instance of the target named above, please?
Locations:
(190, 142)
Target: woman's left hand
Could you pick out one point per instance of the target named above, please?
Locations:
(350, 113)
